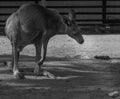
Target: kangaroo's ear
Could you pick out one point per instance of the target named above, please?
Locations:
(66, 20)
(72, 14)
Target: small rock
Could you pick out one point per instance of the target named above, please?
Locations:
(113, 94)
(102, 57)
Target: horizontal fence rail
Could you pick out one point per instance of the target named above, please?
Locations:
(89, 12)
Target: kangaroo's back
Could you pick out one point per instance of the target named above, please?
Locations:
(34, 17)
(31, 21)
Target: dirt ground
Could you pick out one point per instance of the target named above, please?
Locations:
(78, 74)
(75, 79)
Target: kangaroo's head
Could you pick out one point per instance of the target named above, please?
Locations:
(72, 29)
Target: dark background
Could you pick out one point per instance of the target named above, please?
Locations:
(90, 13)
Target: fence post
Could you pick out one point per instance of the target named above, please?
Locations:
(36, 1)
(104, 7)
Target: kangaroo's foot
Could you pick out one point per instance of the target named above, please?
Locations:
(18, 75)
(48, 74)
(39, 72)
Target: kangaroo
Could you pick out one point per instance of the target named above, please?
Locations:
(35, 24)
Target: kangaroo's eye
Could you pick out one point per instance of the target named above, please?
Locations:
(68, 23)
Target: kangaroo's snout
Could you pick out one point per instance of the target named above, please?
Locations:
(82, 41)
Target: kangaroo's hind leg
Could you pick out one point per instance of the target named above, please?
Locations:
(10, 64)
(15, 55)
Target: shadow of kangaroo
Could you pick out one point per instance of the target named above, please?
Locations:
(35, 24)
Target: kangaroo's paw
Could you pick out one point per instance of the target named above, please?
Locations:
(38, 71)
(48, 74)
(19, 75)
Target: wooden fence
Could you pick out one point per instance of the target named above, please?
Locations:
(89, 12)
